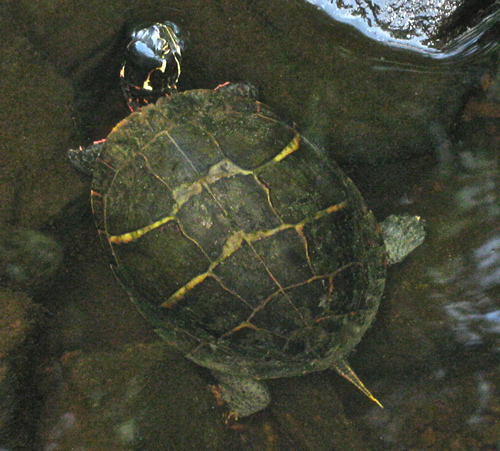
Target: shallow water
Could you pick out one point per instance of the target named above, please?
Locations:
(431, 353)
(431, 356)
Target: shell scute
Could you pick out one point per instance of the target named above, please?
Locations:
(154, 198)
(160, 262)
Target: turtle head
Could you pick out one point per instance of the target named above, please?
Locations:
(152, 63)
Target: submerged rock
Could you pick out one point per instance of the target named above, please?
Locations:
(19, 322)
(29, 260)
(107, 400)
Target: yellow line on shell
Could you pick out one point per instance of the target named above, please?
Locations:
(131, 236)
(179, 294)
(222, 169)
(332, 209)
(233, 243)
(291, 147)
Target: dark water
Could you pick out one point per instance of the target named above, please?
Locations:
(431, 357)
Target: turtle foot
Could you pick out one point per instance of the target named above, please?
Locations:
(402, 234)
(243, 395)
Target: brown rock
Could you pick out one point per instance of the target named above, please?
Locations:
(35, 113)
(143, 396)
(19, 320)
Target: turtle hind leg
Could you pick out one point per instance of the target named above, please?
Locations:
(243, 395)
(345, 370)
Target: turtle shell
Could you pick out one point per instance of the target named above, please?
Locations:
(235, 237)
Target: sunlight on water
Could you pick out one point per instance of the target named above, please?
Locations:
(412, 25)
(466, 282)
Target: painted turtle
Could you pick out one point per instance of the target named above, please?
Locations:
(239, 240)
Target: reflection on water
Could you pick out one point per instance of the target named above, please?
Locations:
(488, 263)
(466, 284)
(484, 395)
(444, 397)
(414, 24)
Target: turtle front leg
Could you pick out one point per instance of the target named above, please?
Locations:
(83, 159)
(243, 395)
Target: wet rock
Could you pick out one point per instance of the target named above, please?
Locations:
(90, 310)
(78, 42)
(140, 397)
(70, 37)
(406, 334)
(29, 260)
(19, 323)
(311, 416)
(35, 112)
(439, 411)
